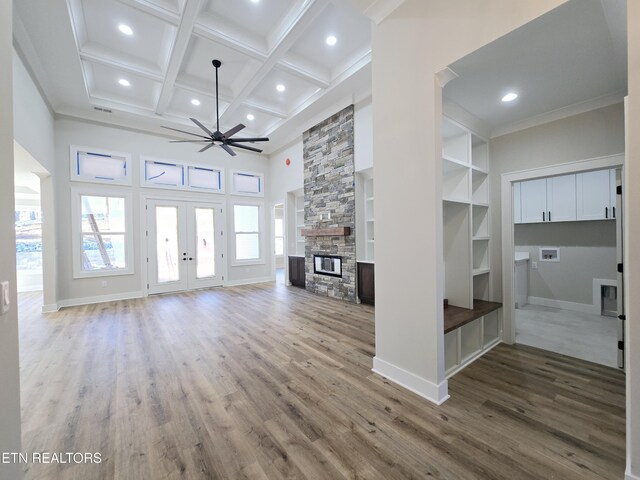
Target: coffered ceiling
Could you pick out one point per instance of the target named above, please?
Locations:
(81, 57)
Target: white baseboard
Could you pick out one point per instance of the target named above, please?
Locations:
(73, 302)
(51, 308)
(630, 476)
(249, 281)
(436, 393)
(564, 305)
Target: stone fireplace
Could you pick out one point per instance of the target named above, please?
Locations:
(329, 197)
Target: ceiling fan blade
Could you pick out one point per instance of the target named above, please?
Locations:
(183, 131)
(234, 130)
(228, 150)
(244, 147)
(256, 139)
(189, 141)
(206, 147)
(197, 122)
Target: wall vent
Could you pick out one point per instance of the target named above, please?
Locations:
(100, 109)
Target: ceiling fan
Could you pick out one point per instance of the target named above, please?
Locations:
(225, 139)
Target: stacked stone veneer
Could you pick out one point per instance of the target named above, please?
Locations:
(329, 201)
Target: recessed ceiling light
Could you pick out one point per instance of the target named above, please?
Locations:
(510, 97)
(124, 82)
(195, 102)
(250, 116)
(255, 1)
(331, 40)
(280, 87)
(126, 29)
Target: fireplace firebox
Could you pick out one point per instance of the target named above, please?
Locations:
(330, 265)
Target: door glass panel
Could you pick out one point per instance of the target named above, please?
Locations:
(205, 246)
(167, 244)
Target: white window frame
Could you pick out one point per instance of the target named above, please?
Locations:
(206, 167)
(143, 173)
(261, 223)
(77, 234)
(186, 185)
(234, 191)
(74, 150)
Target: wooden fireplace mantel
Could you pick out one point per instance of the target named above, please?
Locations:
(326, 232)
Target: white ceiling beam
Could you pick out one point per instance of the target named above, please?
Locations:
(308, 13)
(183, 35)
(151, 74)
(302, 73)
(153, 9)
(205, 31)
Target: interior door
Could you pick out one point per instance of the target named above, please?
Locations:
(183, 245)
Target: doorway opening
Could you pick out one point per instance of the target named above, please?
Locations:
(566, 232)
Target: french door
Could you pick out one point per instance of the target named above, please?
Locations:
(184, 245)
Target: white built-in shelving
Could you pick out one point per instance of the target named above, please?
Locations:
(299, 216)
(466, 242)
(369, 222)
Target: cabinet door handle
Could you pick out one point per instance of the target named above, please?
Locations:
(543, 217)
(613, 209)
(606, 212)
(549, 215)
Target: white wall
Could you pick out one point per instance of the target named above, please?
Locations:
(592, 134)
(587, 251)
(33, 121)
(407, 104)
(9, 363)
(34, 131)
(103, 137)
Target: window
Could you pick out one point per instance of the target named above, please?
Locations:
(246, 221)
(159, 173)
(279, 236)
(247, 183)
(205, 179)
(163, 174)
(102, 231)
(100, 166)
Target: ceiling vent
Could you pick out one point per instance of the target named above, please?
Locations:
(100, 109)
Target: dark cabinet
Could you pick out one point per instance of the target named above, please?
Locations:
(366, 283)
(297, 271)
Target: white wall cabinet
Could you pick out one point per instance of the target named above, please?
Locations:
(566, 198)
(534, 200)
(550, 199)
(517, 207)
(596, 200)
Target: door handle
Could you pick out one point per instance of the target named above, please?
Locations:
(613, 209)
(543, 219)
(606, 212)
(549, 215)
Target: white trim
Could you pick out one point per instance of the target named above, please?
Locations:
(560, 113)
(78, 191)
(435, 393)
(630, 476)
(260, 176)
(261, 260)
(51, 308)
(507, 224)
(564, 305)
(76, 177)
(248, 281)
(73, 302)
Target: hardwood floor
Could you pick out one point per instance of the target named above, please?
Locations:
(270, 382)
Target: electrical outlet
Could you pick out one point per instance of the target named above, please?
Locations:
(103, 284)
(534, 265)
